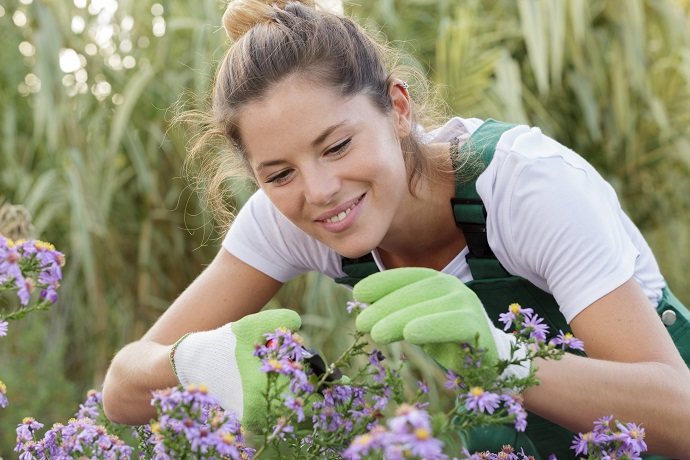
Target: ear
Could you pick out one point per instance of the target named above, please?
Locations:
(402, 107)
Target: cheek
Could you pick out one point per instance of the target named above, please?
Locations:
(285, 200)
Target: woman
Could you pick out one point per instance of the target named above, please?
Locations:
(333, 139)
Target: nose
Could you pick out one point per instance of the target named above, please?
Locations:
(320, 186)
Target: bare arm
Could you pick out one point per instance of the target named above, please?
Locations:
(226, 291)
(633, 371)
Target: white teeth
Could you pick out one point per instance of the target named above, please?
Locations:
(341, 215)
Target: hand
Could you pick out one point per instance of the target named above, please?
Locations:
(223, 360)
(437, 312)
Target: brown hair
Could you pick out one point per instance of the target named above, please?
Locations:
(273, 40)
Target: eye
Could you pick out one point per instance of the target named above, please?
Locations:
(339, 149)
(280, 178)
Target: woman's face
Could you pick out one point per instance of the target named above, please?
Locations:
(332, 165)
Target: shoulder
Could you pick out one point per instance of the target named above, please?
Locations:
(526, 159)
(554, 220)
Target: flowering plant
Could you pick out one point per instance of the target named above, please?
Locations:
(26, 267)
(312, 411)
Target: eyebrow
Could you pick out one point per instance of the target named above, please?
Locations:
(321, 137)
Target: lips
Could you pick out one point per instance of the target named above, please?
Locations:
(340, 213)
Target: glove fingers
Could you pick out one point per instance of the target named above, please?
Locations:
(415, 293)
(375, 286)
(458, 326)
(390, 329)
(251, 328)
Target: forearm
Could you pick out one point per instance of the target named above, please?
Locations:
(575, 391)
(136, 370)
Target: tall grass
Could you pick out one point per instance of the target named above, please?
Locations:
(100, 171)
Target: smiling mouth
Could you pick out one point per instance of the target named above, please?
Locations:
(343, 214)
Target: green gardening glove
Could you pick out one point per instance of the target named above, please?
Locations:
(435, 311)
(223, 360)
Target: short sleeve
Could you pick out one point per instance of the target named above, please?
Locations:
(565, 228)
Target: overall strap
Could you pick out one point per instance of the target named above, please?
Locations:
(357, 269)
(468, 208)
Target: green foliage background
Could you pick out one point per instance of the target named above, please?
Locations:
(94, 158)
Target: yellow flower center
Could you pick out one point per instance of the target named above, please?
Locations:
(363, 439)
(477, 391)
(515, 308)
(228, 438)
(422, 434)
(43, 246)
(3, 387)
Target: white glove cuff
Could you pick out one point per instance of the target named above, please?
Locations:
(208, 358)
(504, 343)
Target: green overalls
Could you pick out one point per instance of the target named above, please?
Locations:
(497, 289)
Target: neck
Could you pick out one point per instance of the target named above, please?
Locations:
(426, 235)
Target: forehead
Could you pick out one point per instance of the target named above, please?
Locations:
(293, 114)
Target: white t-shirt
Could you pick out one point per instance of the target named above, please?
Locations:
(551, 218)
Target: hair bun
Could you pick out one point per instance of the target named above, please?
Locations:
(241, 15)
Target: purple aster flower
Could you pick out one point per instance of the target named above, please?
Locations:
(90, 412)
(467, 456)
(26, 428)
(378, 370)
(632, 437)
(168, 399)
(297, 405)
(602, 424)
(514, 405)
(423, 387)
(9, 259)
(327, 419)
(3, 328)
(274, 365)
(199, 397)
(408, 418)
(583, 442)
(282, 343)
(513, 310)
(364, 443)
(3, 391)
(536, 329)
(51, 274)
(567, 340)
(356, 306)
(481, 401)
(426, 446)
(452, 380)
(282, 428)
(26, 287)
(344, 393)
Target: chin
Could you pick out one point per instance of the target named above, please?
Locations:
(354, 252)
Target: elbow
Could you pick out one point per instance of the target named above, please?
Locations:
(125, 405)
(110, 406)
(113, 405)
